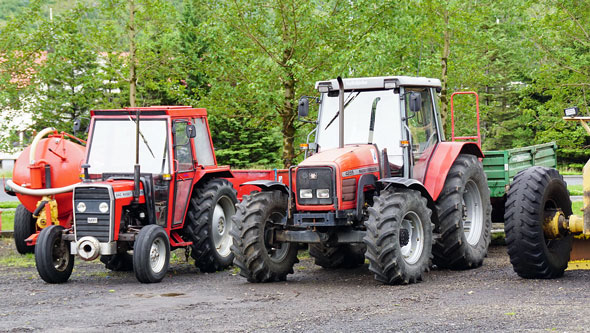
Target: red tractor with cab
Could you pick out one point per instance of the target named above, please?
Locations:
(151, 184)
(381, 183)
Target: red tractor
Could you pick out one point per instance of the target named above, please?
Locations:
(149, 187)
(381, 183)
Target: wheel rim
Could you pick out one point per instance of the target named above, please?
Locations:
(472, 213)
(277, 252)
(60, 255)
(221, 226)
(412, 251)
(157, 255)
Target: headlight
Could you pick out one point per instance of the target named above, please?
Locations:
(323, 193)
(81, 207)
(103, 207)
(305, 193)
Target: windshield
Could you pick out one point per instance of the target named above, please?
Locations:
(112, 146)
(369, 117)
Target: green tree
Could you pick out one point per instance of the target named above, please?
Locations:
(266, 54)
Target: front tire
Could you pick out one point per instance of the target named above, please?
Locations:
(464, 213)
(258, 260)
(209, 225)
(52, 255)
(151, 254)
(24, 226)
(399, 236)
(536, 193)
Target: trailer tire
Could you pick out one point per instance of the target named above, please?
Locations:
(258, 261)
(24, 226)
(464, 214)
(396, 257)
(340, 256)
(208, 224)
(151, 254)
(532, 192)
(52, 255)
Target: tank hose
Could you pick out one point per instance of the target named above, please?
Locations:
(39, 192)
(36, 140)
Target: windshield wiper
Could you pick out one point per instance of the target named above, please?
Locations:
(144, 140)
(350, 98)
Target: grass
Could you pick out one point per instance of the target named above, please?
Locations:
(575, 189)
(8, 220)
(577, 207)
(17, 260)
(6, 174)
(9, 204)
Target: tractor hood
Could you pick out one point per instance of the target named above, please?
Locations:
(349, 161)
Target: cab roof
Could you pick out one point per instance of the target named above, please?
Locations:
(380, 82)
(157, 110)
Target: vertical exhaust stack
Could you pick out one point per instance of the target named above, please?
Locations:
(136, 169)
(341, 117)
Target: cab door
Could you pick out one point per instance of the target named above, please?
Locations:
(183, 167)
(423, 128)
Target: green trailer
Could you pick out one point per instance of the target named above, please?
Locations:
(501, 166)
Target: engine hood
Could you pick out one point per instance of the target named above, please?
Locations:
(349, 161)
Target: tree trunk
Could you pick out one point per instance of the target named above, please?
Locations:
(288, 119)
(132, 58)
(444, 96)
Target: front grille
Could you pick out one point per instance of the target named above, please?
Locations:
(92, 222)
(314, 179)
(349, 189)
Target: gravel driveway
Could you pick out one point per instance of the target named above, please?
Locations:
(490, 298)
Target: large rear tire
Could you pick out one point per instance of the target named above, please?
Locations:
(399, 236)
(208, 225)
(253, 224)
(339, 256)
(120, 262)
(52, 255)
(151, 254)
(24, 226)
(464, 214)
(534, 194)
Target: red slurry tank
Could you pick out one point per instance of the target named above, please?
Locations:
(45, 172)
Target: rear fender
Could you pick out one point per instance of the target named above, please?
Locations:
(268, 185)
(412, 184)
(441, 162)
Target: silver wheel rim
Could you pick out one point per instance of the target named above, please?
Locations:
(221, 226)
(472, 213)
(157, 255)
(412, 251)
(60, 255)
(276, 253)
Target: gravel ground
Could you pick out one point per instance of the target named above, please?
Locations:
(490, 298)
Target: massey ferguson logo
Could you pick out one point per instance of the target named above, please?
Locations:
(313, 175)
(360, 171)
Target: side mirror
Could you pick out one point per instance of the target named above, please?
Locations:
(415, 101)
(77, 125)
(303, 107)
(191, 132)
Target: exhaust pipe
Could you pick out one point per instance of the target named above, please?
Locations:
(341, 117)
(88, 248)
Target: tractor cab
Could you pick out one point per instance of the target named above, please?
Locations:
(173, 145)
(399, 115)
